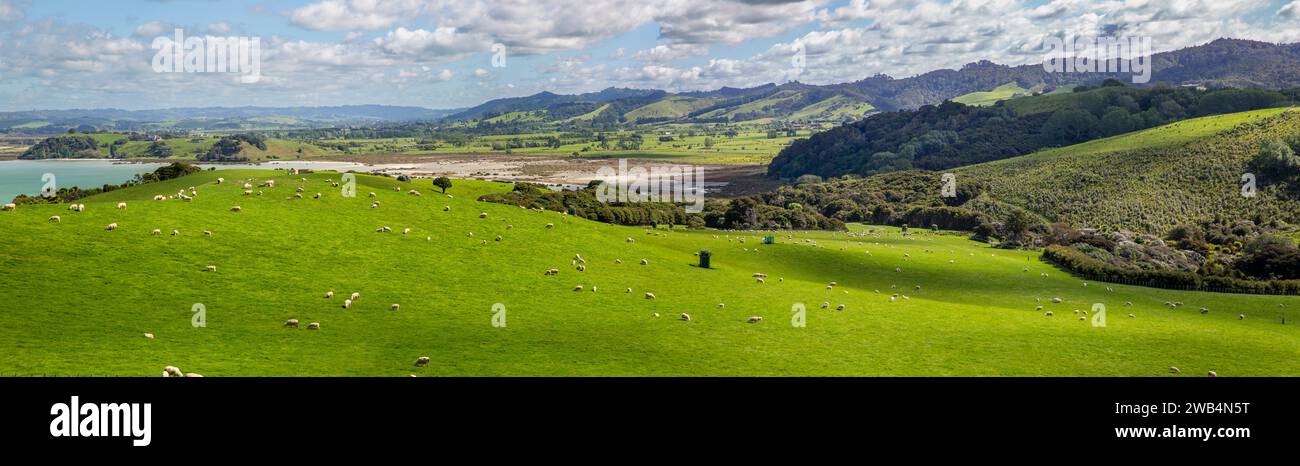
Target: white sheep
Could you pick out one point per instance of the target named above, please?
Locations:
(221, 180)
(160, 197)
(755, 319)
(291, 323)
(121, 206)
(329, 294)
(172, 371)
(355, 295)
(645, 262)
(686, 317)
(211, 268)
(156, 232)
(395, 307)
(207, 232)
(482, 215)
(548, 226)
(839, 308)
(56, 218)
(236, 209)
(313, 326)
(148, 335)
(176, 232)
(577, 288)
(422, 361)
(1174, 370)
(111, 227)
(552, 272)
(760, 280)
(649, 295)
(1212, 374)
(347, 303)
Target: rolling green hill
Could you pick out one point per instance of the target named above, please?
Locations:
(79, 298)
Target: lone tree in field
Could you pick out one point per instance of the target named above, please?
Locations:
(442, 182)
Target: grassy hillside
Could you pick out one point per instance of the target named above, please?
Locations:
(79, 298)
(998, 94)
(1150, 180)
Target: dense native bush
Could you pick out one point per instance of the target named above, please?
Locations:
(62, 147)
(938, 137)
(1079, 262)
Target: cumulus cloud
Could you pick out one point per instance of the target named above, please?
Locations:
(669, 52)
(345, 15)
(445, 75)
(1290, 11)
(443, 41)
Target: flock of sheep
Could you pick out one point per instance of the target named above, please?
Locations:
(578, 262)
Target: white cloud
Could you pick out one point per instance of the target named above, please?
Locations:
(481, 73)
(1290, 11)
(345, 15)
(445, 75)
(443, 41)
(11, 10)
(669, 52)
(218, 28)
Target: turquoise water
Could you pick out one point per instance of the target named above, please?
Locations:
(25, 176)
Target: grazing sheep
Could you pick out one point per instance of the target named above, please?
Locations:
(1241, 317)
(56, 219)
(552, 272)
(422, 361)
(172, 371)
(656, 315)
(221, 180)
(413, 192)
(630, 240)
(482, 215)
(826, 305)
(686, 317)
(316, 196)
(498, 238)
(156, 232)
(645, 262)
(121, 206)
(1057, 301)
(1131, 316)
(236, 209)
(898, 269)
(207, 232)
(347, 303)
(581, 268)
(355, 296)
(372, 195)
(248, 186)
(649, 295)
(148, 335)
(1048, 313)
(406, 231)
(374, 205)
(248, 192)
(1212, 374)
(313, 326)
(160, 197)
(10, 206)
(759, 275)
(839, 308)
(446, 208)
(1205, 310)
(755, 319)
(211, 268)
(1128, 303)
(618, 261)
(1174, 370)
(548, 226)
(329, 294)
(395, 307)
(111, 227)
(577, 288)
(1039, 308)
(291, 323)
(176, 232)
(760, 280)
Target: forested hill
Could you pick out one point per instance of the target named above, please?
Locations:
(952, 134)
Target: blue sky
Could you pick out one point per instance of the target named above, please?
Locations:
(57, 54)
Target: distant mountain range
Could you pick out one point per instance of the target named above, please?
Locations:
(1221, 63)
(211, 118)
